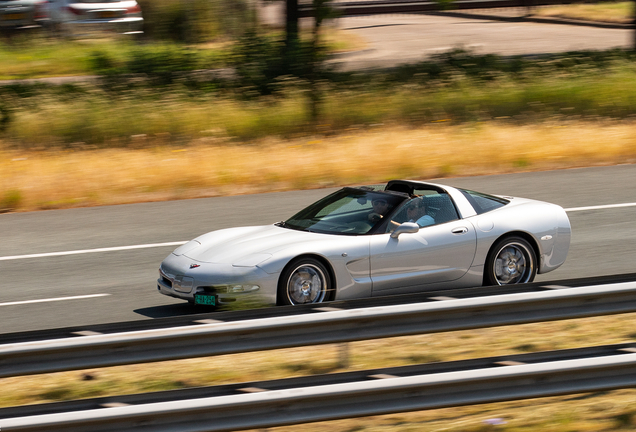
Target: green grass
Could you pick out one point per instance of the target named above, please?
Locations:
(202, 25)
(42, 57)
(448, 89)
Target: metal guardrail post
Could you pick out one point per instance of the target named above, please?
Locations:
(343, 355)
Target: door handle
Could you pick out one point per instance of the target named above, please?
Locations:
(460, 230)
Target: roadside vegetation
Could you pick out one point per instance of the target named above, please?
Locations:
(111, 141)
(151, 171)
(621, 12)
(155, 95)
(38, 56)
(206, 25)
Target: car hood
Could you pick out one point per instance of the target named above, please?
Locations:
(245, 246)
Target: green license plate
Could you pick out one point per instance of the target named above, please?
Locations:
(208, 300)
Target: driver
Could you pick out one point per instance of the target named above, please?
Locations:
(380, 209)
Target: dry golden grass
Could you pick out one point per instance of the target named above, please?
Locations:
(592, 412)
(613, 12)
(31, 180)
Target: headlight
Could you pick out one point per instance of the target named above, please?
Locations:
(183, 283)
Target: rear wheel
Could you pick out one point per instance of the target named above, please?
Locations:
(512, 260)
(304, 280)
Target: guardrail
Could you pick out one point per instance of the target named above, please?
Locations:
(333, 326)
(259, 408)
(204, 313)
(315, 380)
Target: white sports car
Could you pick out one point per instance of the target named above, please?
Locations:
(402, 237)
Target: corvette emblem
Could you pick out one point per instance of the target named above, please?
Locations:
(194, 266)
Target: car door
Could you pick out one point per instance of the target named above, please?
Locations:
(413, 261)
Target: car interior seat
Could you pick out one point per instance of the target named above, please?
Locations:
(441, 208)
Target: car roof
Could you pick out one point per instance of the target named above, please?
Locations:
(408, 186)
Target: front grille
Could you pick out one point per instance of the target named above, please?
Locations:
(209, 290)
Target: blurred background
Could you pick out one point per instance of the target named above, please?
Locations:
(130, 87)
(109, 102)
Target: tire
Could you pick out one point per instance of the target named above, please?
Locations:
(511, 260)
(304, 280)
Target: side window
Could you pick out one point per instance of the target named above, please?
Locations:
(430, 207)
(440, 207)
(483, 203)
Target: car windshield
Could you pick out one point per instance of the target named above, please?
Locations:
(350, 211)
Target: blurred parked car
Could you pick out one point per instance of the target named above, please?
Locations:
(15, 14)
(85, 16)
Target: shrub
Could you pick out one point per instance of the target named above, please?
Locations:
(194, 21)
(258, 61)
(162, 64)
(11, 199)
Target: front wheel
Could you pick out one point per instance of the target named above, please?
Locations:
(512, 260)
(305, 280)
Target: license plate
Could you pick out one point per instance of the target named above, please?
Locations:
(108, 14)
(14, 16)
(209, 300)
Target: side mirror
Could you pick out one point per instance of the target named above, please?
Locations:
(406, 227)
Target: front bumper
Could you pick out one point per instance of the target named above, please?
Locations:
(177, 279)
(133, 25)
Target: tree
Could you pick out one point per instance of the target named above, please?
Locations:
(321, 11)
(304, 59)
(634, 26)
(292, 18)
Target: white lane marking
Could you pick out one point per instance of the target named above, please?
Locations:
(608, 206)
(53, 299)
(85, 251)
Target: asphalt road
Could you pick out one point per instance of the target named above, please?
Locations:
(604, 243)
(395, 39)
